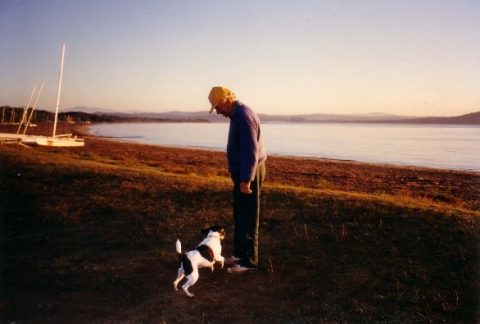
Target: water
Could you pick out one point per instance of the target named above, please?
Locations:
(435, 146)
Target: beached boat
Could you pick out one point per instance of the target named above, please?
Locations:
(29, 139)
(66, 140)
(18, 138)
(59, 140)
(6, 137)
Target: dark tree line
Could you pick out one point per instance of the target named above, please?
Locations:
(14, 115)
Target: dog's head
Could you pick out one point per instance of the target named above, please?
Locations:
(215, 229)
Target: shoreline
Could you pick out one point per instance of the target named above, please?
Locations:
(456, 187)
(441, 185)
(83, 130)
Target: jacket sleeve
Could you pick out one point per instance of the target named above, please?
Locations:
(249, 147)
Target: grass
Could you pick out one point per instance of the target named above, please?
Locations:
(87, 239)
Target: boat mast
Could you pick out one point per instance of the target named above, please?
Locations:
(25, 110)
(34, 107)
(12, 116)
(58, 91)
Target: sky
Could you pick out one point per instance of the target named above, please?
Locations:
(405, 57)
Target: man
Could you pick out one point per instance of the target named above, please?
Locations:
(246, 163)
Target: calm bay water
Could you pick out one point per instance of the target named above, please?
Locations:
(436, 146)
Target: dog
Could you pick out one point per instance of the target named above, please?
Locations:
(204, 256)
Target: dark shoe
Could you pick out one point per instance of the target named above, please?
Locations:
(238, 269)
(232, 260)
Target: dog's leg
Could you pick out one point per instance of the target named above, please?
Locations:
(191, 280)
(180, 276)
(220, 259)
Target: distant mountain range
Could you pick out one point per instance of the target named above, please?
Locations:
(468, 119)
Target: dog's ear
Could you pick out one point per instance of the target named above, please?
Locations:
(217, 228)
(206, 230)
(222, 231)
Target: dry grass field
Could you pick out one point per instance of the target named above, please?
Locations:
(87, 235)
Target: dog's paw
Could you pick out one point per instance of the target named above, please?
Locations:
(189, 294)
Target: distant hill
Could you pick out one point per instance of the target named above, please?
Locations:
(331, 118)
(469, 119)
(83, 114)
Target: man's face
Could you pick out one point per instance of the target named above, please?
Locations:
(224, 108)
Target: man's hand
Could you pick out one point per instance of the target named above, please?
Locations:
(245, 188)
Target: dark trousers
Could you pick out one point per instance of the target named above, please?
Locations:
(246, 216)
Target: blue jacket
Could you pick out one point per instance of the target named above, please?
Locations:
(245, 149)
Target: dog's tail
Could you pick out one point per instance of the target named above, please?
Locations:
(178, 247)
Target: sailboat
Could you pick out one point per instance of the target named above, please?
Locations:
(29, 139)
(20, 138)
(66, 140)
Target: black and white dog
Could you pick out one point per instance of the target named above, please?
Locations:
(205, 255)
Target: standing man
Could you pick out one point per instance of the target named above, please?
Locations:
(246, 163)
